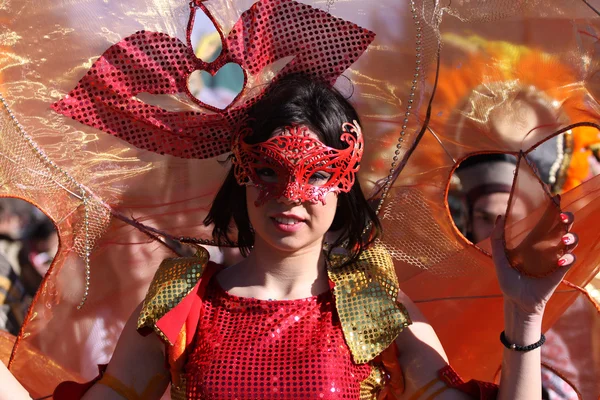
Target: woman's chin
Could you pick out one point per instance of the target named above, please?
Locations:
(289, 244)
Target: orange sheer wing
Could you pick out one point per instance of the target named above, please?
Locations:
(40, 373)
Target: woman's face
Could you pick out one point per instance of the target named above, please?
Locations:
(487, 207)
(289, 225)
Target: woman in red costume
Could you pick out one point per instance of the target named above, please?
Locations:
(292, 320)
(334, 327)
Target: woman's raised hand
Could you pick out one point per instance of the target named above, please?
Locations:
(530, 294)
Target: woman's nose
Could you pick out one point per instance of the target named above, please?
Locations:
(288, 200)
(290, 195)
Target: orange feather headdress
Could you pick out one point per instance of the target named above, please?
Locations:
(535, 76)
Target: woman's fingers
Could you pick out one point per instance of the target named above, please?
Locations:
(496, 236)
(567, 218)
(566, 260)
(571, 240)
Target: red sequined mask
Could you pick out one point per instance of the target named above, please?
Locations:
(296, 166)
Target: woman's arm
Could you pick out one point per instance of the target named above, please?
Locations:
(421, 358)
(11, 389)
(421, 353)
(136, 371)
(137, 367)
(521, 371)
(525, 299)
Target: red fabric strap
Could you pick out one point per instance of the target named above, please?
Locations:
(475, 389)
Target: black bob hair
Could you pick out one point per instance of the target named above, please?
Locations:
(298, 100)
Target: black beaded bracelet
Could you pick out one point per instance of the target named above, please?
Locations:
(516, 347)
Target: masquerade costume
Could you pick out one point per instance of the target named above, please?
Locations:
(137, 91)
(329, 316)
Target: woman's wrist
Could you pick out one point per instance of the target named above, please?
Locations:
(522, 327)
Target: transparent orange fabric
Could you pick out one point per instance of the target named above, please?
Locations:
(40, 373)
(533, 250)
(99, 190)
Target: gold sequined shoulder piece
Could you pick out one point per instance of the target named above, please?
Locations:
(371, 387)
(366, 295)
(174, 279)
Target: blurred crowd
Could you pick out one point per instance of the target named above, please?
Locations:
(28, 244)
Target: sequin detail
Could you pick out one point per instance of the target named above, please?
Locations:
(174, 280)
(366, 295)
(370, 387)
(260, 349)
(295, 157)
(321, 46)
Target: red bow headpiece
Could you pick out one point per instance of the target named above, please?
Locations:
(150, 62)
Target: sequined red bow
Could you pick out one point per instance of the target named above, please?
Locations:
(150, 62)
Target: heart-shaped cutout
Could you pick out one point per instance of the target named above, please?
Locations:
(217, 92)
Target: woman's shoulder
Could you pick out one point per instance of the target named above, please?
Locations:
(173, 287)
(366, 297)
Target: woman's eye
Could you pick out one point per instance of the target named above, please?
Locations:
(484, 216)
(319, 178)
(266, 174)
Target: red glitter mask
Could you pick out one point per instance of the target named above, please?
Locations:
(297, 166)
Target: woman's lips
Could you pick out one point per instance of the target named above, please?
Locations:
(286, 223)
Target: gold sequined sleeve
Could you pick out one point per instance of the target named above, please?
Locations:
(366, 300)
(173, 281)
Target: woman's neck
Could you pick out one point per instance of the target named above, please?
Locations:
(269, 273)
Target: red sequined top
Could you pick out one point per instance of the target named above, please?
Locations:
(270, 349)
